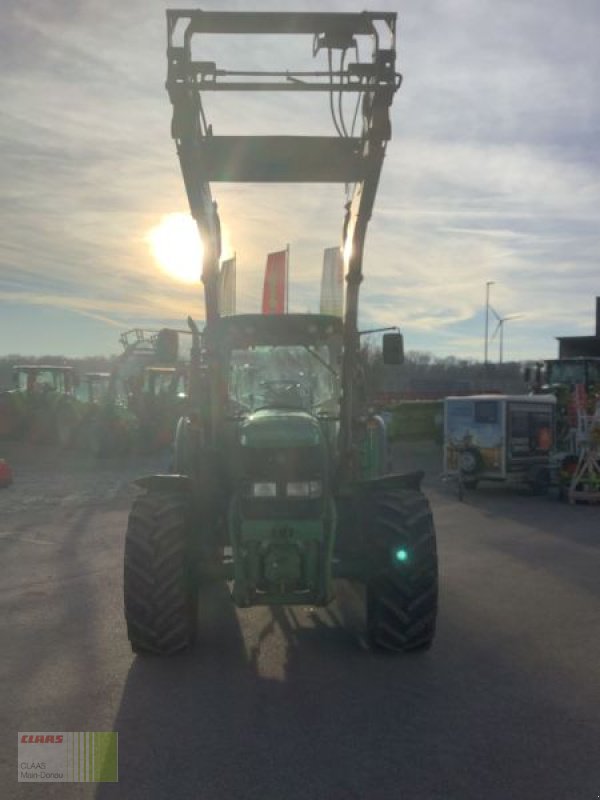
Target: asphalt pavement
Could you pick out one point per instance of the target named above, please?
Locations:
(284, 704)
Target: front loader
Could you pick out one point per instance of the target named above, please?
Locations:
(275, 487)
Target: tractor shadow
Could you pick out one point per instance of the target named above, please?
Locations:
(258, 696)
(286, 705)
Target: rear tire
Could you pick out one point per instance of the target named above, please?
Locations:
(402, 596)
(160, 589)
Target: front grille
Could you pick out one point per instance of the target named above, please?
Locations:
(280, 508)
(281, 464)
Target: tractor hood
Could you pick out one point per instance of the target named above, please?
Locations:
(280, 428)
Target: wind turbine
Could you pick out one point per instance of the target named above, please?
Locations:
(500, 328)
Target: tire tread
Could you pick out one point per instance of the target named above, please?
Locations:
(159, 592)
(402, 600)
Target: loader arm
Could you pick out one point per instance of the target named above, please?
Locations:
(347, 159)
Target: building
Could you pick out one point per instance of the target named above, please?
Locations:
(581, 346)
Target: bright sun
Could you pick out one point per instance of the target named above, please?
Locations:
(177, 248)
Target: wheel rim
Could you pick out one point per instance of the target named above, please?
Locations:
(468, 462)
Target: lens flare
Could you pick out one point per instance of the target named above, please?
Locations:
(177, 248)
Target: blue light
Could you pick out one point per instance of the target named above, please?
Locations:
(401, 555)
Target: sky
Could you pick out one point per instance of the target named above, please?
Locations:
(492, 174)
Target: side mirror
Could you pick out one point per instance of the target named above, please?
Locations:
(393, 349)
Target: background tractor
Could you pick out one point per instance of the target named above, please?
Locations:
(42, 406)
(108, 427)
(575, 382)
(273, 487)
(158, 399)
(560, 376)
(146, 393)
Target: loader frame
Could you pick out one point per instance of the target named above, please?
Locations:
(206, 157)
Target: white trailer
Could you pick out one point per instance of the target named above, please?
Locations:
(506, 438)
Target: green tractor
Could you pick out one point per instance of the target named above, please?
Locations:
(158, 401)
(43, 406)
(147, 391)
(560, 376)
(278, 486)
(108, 427)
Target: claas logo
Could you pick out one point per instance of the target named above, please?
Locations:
(41, 739)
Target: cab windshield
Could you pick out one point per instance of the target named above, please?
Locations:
(93, 389)
(40, 380)
(290, 377)
(566, 372)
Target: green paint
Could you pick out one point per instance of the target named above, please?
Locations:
(283, 561)
(105, 757)
(416, 419)
(90, 761)
(274, 428)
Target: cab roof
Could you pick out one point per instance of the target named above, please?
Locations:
(243, 330)
(32, 367)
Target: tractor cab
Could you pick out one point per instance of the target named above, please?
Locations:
(571, 371)
(34, 378)
(48, 408)
(290, 361)
(574, 382)
(94, 388)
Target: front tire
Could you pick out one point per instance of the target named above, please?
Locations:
(160, 589)
(402, 595)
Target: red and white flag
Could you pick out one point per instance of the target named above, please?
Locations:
(275, 286)
(227, 288)
(332, 282)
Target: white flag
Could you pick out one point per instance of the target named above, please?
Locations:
(332, 282)
(227, 288)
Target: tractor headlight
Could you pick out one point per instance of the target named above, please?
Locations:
(400, 555)
(306, 489)
(263, 490)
